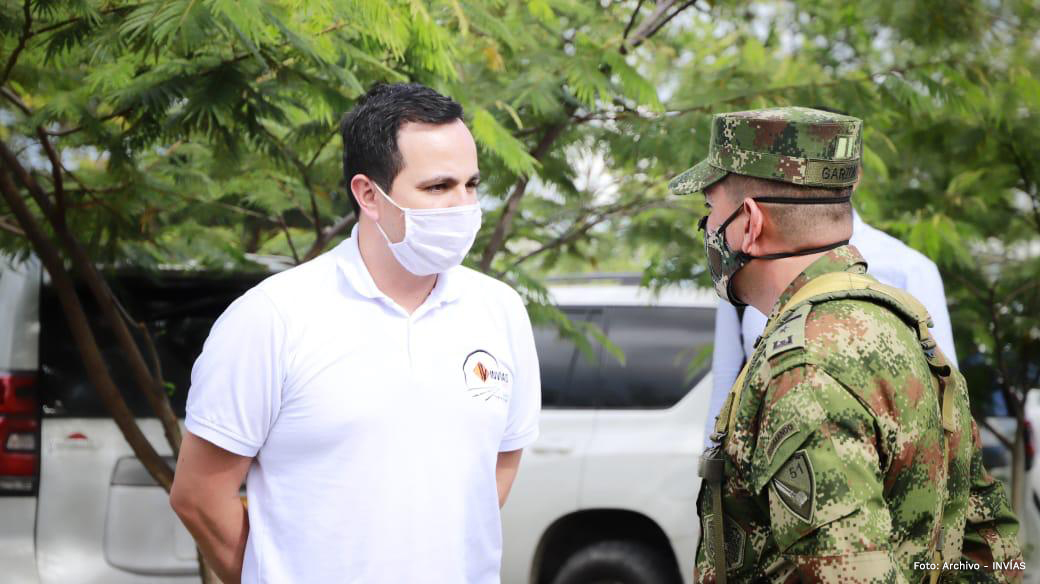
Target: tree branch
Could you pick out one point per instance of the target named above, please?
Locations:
(84, 267)
(22, 40)
(584, 225)
(341, 226)
(310, 163)
(512, 206)
(1027, 181)
(1004, 440)
(631, 21)
(8, 227)
(288, 238)
(304, 171)
(653, 23)
(15, 100)
(56, 169)
(83, 337)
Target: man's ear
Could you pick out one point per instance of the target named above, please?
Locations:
(364, 192)
(752, 244)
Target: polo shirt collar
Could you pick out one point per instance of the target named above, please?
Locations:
(449, 286)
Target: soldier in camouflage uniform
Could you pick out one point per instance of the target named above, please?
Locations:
(846, 451)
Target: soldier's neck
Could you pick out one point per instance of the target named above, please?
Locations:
(761, 282)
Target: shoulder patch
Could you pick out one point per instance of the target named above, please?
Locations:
(790, 334)
(779, 437)
(795, 485)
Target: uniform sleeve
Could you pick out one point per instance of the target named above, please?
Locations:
(991, 529)
(726, 360)
(818, 461)
(525, 401)
(927, 286)
(236, 383)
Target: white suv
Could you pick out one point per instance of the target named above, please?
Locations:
(607, 494)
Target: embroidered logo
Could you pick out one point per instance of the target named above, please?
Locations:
(481, 371)
(485, 377)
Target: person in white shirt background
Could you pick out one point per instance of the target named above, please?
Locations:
(376, 399)
(889, 260)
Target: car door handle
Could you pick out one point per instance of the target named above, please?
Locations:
(558, 447)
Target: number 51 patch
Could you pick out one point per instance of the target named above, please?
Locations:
(795, 485)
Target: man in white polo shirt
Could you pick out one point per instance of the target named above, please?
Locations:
(376, 399)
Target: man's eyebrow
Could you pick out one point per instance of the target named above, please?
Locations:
(439, 179)
(475, 177)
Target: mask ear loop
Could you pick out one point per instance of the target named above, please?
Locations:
(401, 209)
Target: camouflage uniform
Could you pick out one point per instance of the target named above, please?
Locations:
(850, 454)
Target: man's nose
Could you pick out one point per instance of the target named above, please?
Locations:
(461, 195)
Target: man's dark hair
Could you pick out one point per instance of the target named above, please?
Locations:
(370, 130)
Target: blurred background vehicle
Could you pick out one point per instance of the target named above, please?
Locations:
(609, 487)
(608, 490)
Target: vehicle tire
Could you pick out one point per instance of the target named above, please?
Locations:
(617, 562)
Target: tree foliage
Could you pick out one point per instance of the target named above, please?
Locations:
(195, 132)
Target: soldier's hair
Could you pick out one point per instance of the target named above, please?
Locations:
(370, 130)
(797, 223)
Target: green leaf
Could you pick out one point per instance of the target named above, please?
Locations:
(633, 84)
(497, 140)
(874, 163)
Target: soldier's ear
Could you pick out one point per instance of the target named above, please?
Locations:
(752, 243)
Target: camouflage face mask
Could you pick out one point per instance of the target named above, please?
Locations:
(724, 262)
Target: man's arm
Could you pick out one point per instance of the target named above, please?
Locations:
(727, 357)
(818, 461)
(505, 473)
(927, 286)
(205, 496)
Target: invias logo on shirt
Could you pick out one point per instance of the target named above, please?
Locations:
(485, 377)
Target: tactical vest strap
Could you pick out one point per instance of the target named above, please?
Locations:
(711, 470)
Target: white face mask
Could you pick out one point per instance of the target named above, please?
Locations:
(435, 240)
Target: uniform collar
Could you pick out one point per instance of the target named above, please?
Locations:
(841, 259)
(348, 257)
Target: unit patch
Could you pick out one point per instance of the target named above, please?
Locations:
(734, 537)
(795, 485)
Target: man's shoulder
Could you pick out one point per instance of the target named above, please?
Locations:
(878, 247)
(295, 286)
(842, 336)
(479, 286)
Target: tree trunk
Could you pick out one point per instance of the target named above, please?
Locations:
(1018, 467)
(146, 382)
(83, 337)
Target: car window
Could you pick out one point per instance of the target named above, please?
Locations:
(179, 311)
(569, 376)
(661, 345)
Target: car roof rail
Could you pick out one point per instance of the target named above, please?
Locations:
(622, 278)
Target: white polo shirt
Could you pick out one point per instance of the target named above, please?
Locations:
(375, 433)
(889, 260)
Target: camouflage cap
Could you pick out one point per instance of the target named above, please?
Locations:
(791, 144)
